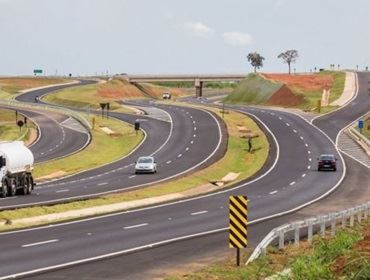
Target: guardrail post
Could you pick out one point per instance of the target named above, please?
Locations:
(322, 226)
(296, 234)
(309, 230)
(263, 251)
(333, 221)
(352, 218)
(344, 219)
(359, 214)
(281, 239)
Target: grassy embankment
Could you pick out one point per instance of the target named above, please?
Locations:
(92, 95)
(345, 256)
(103, 148)
(236, 160)
(12, 85)
(366, 131)
(256, 90)
(9, 131)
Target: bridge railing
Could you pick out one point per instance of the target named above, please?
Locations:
(78, 116)
(293, 232)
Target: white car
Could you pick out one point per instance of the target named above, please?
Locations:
(145, 165)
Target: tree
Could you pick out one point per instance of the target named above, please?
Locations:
(256, 60)
(289, 57)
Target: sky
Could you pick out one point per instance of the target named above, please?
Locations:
(88, 37)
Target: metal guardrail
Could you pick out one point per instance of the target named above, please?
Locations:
(66, 111)
(292, 232)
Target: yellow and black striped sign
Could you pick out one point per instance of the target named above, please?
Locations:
(238, 221)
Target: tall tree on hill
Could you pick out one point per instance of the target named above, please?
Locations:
(256, 60)
(289, 57)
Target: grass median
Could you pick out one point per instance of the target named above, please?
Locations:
(236, 159)
(103, 148)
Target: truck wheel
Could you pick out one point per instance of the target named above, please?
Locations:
(29, 184)
(4, 189)
(12, 189)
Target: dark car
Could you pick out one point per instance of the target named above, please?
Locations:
(326, 162)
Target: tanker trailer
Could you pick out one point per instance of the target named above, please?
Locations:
(16, 164)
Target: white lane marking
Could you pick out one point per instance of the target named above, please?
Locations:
(195, 128)
(191, 117)
(306, 145)
(272, 114)
(292, 183)
(309, 152)
(136, 226)
(280, 118)
(187, 149)
(199, 213)
(168, 162)
(301, 137)
(295, 131)
(102, 184)
(287, 124)
(273, 192)
(194, 135)
(60, 191)
(40, 243)
(309, 167)
(310, 159)
(180, 155)
(133, 176)
(191, 142)
(10, 197)
(193, 122)
(303, 175)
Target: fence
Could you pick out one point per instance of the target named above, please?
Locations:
(306, 228)
(66, 111)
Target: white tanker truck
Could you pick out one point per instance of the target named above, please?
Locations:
(16, 164)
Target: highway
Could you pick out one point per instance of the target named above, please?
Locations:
(291, 173)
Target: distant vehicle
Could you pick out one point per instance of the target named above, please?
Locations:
(37, 99)
(16, 164)
(326, 162)
(145, 165)
(166, 95)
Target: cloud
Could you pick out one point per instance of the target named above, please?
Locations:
(199, 29)
(237, 38)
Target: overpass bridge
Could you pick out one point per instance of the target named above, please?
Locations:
(197, 79)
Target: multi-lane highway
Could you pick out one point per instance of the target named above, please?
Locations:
(288, 182)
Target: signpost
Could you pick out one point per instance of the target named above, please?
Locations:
(102, 106)
(20, 124)
(238, 212)
(137, 126)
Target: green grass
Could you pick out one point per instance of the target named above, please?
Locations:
(102, 149)
(254, 89)
(345, 256)
(235, 160)
(365, 130)
(13, 85)
(9, 131)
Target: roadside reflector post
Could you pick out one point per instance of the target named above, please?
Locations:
(93, 123)
(319, 106)
(238, 220)
(137, 126)
(102, 106)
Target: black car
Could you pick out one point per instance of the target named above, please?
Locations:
(326, 162)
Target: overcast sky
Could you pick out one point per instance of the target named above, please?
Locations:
(171, 36)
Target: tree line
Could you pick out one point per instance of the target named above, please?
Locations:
(288, 57)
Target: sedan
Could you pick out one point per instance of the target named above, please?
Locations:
(145, 165)
(326, 162)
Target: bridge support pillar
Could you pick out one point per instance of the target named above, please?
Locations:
(198, 87)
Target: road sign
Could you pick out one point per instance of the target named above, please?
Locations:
(361, 125)
(238, 223)
(37, 71)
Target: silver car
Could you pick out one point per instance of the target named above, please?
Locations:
(145, 165)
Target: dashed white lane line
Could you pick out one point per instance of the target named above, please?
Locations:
(309, 167)
(102, 184)
(60, 191)
(133, 176)
(288, 124)
(180, 155)
(40, 243)
(168, 162)
(272, 114)
(306, 145)
(303, 175)
(194, 135)
(295, 131)
(199, 213)
(292, 183)
(193, 122)
(309, 159)
(192, 142)
(273, 192)
(280, 118)
(301, 137)
(195, 128)
(136, 226)
(191, 117)
(187, 149)
(309, 152)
